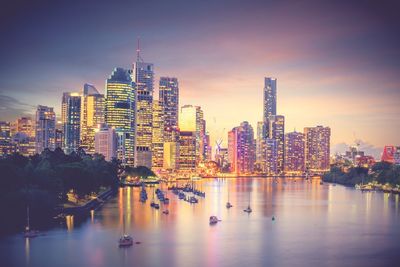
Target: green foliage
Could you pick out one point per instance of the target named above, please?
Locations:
(381, 172)
(42, 181)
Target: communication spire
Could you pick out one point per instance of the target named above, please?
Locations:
(138, 58)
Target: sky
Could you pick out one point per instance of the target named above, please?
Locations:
(337, 62)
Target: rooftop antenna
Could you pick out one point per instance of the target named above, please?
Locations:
(138, 58)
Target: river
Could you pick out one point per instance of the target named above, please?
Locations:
(315, 225)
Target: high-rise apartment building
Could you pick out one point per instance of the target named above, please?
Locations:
(294, 153)
(269, 100)
(45, 129)
(317, 148)
(119, 112)
(71, 106)
(276, 130)
(6, 147)
(187, 151)
(271, 156)
(92, 116)
(23, 137)
(241, 149)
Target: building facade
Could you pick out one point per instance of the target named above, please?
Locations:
(317, 148)
(294, 153)
(241, 149)
(119, 113)
(106, 142)
(276, 130)
(158, 136)
(45, 128)
(270, 95)
(71, 102)
(169, 98)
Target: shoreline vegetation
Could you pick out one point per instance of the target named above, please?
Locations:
(382, 176)
(52, 182)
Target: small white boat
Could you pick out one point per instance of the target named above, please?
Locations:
(125, 241)
(228, 205)
(248, 210)
(29, 233)
(213, 219)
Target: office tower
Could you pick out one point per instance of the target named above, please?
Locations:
(187, 151)
(45, 128)
(59, 138)
(222, 158)
(143, 76)
(71, 110)
(271, 156)
(120, 112)
(269, 101)
(92, 115)
(26, 126)
(6, 147)
(158, 136)
(276, 130)
(169, 98)
(241, 149)
(171, 155)
(191, 120)
(294, 152)
(106, 142)
(207, 148)
(317, 148)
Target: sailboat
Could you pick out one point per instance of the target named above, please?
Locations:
(228, 204)
(248, 210)
(125, 240)
(29, 233)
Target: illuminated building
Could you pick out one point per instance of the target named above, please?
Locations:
(169, 98)
(271, 156)
(119, 112)
(391, 154)
(191, 120)
(241, 149)
(222, 159)
(396, 155)
(260, 145)
(45, 128)
(59, 138)
(317, 148)
(269, 103)
(158, 136)
(24, 136)
(294, 152)
(106, 142)
(92, 115)
(276, 130)
(171, 155)
(71, 106)
(143, 76)
(187, 151)
(353, 153)
(6, 147)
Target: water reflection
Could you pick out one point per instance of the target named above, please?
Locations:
(315, 224)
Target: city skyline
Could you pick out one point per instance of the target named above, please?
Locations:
(323, 76)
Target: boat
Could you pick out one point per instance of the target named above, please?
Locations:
(214, 219)
(321, 183)
(193, 200)
(125, 241)
(156, 206)
(166, 212)
(29, 233)
(248, 210)
(166, 200)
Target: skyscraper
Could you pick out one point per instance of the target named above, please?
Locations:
(294, 152)
(241, 149)
(317, 148)
(158, 136)
(24, 136)
(169, 98)
(120, 112)
(269, 101)
(276, 130)
(72, 121)
(143, 76)
(45, 128)
(271, 156)
(187, 151)
(260, 145)
(92, 116)
(106, 142)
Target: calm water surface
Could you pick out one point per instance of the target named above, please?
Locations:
(316, 225)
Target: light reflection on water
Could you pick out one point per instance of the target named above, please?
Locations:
(315, 225)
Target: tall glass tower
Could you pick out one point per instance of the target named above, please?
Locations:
(269, 100)
(72, 104)
(120, 111)
(169, 98)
